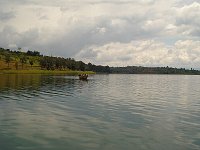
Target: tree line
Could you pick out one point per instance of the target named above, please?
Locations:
(152, 70)
(47, 62)
(59, 63)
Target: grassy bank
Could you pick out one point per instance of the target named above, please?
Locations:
(47, 72)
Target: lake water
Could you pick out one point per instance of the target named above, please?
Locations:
(107, 112)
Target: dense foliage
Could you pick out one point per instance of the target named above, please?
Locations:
(152, 70)
(31, 59)
(35, 59)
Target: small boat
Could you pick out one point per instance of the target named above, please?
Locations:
(83, 76)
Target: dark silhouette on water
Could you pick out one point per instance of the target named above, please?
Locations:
(83, 76)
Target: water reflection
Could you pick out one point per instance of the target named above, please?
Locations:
(26, 81)
(33, 111)
(107, 112)
(14, 81)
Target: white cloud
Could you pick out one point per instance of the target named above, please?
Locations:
(146, 53)
(69, 27)
(188, 19)
(5, 16)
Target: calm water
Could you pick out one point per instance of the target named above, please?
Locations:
(109, 112)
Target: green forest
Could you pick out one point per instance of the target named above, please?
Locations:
(33, 60)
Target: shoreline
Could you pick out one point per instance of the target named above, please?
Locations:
(76, 73)
(47, 72)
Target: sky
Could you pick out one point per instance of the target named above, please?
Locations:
(106, 32)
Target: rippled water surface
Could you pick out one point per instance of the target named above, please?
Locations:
(107, 112)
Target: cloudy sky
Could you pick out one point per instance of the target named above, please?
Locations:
(106, 32)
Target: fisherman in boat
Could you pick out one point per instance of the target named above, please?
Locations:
(83, 76)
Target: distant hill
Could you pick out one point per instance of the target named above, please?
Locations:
(18, 60)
